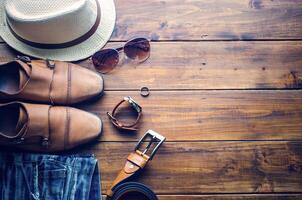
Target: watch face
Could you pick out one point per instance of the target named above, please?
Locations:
(129, 99)
(133, 103)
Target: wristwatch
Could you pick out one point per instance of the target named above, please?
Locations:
(120, 125)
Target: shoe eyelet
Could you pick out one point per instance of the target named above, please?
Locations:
(22, 139)
(19, 141)
(25, 59)
(50, 64)
(45, 142)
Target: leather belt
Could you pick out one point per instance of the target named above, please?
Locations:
(136, 161)
(131, 191)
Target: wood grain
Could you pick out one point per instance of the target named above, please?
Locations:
(209, 20)
(225, 143)
(207, 65)
(212, 65)
(209, 115)
(210, 167)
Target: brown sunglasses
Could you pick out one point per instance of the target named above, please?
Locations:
(137, 49)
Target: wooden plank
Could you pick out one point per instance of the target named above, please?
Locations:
(207, 65)
(212, 65)
(209, 20)
(209, 115)
(210, 167)
(229, 197)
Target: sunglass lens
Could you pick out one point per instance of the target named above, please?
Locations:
(105, 60)
(137, 49)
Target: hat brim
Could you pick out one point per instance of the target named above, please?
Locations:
(73, 53)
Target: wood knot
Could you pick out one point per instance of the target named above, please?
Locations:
(293, 80)
(265, 186)
(230, 168)
(294, 168)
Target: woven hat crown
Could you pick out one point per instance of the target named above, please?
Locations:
(50, 21)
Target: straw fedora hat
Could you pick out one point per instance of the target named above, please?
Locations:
(66, 30)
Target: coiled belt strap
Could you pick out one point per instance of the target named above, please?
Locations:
(124, 189)
(135, 162)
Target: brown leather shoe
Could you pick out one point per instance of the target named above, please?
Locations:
(45, 128)
(52, 82)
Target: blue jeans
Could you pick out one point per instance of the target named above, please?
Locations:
(49, 177)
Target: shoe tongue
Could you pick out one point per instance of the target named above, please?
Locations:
(23, 75)
(22, 119)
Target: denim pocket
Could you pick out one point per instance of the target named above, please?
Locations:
(52, 176)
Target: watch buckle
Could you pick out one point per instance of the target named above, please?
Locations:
(155, 137)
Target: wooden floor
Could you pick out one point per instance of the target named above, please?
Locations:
(225, 79)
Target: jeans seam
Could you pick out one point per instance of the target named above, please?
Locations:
(34, 196)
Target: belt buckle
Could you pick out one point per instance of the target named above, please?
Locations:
(133, 103)
(155, 137)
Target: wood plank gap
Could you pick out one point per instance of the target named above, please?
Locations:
(205, 40)
(231, 193)
(202, 141)
(199, 89)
